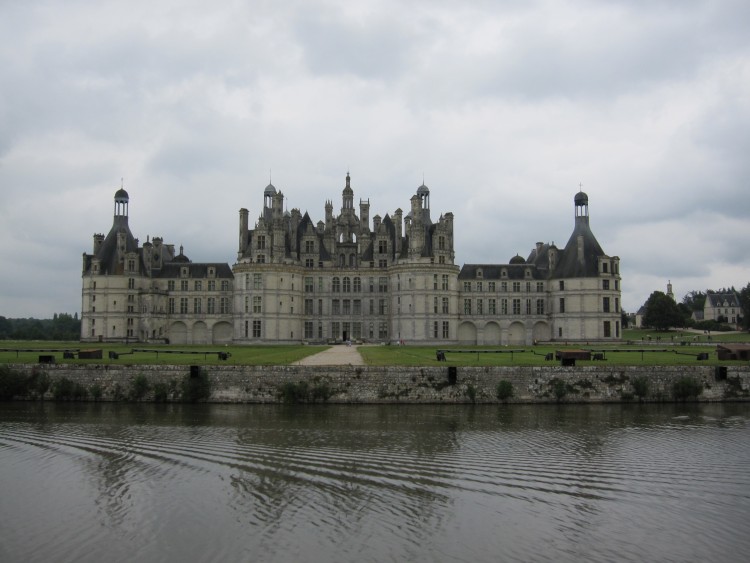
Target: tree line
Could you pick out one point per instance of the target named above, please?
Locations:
(662, 313)
(62, 326)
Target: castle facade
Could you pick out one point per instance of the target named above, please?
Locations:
(347, 278)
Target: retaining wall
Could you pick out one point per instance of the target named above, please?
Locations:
(352, 384)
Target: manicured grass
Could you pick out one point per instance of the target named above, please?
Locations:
(641, 334)
(239, 355)
(652, 355)
(664, 352)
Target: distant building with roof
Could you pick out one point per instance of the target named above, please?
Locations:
(722, 307)
(348, 278)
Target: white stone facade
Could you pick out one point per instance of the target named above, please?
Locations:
(345, 278)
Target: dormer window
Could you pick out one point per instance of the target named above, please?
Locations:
(479, 274)
(184, 272)
(504, 274)
(211, 272)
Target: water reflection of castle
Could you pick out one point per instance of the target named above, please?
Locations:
(344, 278)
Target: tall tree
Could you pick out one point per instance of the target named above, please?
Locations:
(662, 312)
(695, 300)
(745, 306)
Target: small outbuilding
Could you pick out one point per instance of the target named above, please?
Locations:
(733, 351)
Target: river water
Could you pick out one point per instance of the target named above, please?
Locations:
(143, 482)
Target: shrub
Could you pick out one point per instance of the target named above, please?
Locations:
(686, 388)
(65, 389)
(196, 387)
(291, 393)
(96, 392)
(559, 389)
(321, 392)
(471, 393)
(38, 383)
(504, 390)
(12, 384)
(139, 387)
(640, 386)
(161, 392)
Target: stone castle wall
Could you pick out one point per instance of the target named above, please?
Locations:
(351, 384)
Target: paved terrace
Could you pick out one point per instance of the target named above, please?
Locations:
(339, 355)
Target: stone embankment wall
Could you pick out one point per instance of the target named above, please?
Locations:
(351, 384)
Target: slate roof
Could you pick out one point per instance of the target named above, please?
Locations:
(569, 265)
(718, 299)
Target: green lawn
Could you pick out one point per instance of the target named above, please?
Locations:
(200, 355)
(667, 351)
(535, 355)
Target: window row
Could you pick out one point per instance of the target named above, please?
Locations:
(197, 285)
(492, 286)
(506, 306)
(224, 305)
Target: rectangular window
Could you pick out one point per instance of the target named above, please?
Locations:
(480, 307)
(435, 305)
(347, 307)
(183, 305)
(434, 281)
(528, 306)
(383, 330)
(257, 304)
(445, 305)
(467, 287)
(183, 285)
(211, 285)
(256, 329)
(383, 285)
(170, 306)
(261, 242)
(504, 286)
(617, 304)
(211, 305)
(308, 329)
(335, 307)
(198, 285)
(247, 306)
(197, 305)
(435, 329)
(170, 285)
(224, 306)
(562, 304)
(308, 306)
(445, 329)
(309, 285)
(516, 287)
(605, 304)
(357, 307)
(467, 306)
(492, 306)
(382, 307)
(540, 287)
(528, 287)
(335, 330)
(309, 262)
(540, 306)
(491, 286)
(309, 246)
(607, 329)
(257, 281)
(605, 284)
(225, 285)
(562, 285)
(504, 306)
(445, 282)
(383, 246)
(516, 306)
(479, 287)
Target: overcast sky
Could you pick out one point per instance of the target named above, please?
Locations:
(503, 107)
